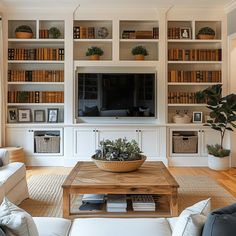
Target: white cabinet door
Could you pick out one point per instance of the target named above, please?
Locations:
(22, 137)
(209, 136)
(84, 143)
(149, 142)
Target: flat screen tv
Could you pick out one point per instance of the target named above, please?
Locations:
(116, 95)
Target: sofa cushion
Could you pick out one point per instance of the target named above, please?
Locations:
(11, 174)
(4, 156)
(57, 226)
(119, 227)
(172, 222)
(221, 222)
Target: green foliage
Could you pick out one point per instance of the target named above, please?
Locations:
(207, 31)
(94, 51)
(24, 28)
(217, 151)
(139, 50)
(55, 32)
(200, 97)
(223, 110)
(118, 150)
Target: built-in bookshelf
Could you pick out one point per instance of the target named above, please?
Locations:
(194, 63)
(36, 68)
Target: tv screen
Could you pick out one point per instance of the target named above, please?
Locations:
(116, 94)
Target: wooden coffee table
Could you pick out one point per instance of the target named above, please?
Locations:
(152, 178)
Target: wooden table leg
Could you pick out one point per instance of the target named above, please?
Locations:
(66, 203)
(174, 203)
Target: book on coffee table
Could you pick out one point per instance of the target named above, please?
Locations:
(93, 198)
(116, 203)
(143, 202)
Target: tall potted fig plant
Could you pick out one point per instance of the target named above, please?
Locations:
(223, 114)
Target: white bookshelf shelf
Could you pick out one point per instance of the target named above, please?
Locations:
(140, 40)
(194, 41)
(187, 104)
(35, 61)
(92, 40)
(194, 62)
(36, 40)
(36, 83)
(35, 104)
(191, 83)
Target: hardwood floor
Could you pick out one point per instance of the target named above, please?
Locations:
(227, 179)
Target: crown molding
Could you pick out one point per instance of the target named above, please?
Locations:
(230, 6)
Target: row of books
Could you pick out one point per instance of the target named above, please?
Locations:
(194, 76)
(36, 54)
(177, 54)
(36, 75)
(141, 34)
(80, 32)
(43, 33)
(182, 97)
(35, 96)
(175, 33)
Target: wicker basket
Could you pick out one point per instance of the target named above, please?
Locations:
(185, 144)
(47, 144)
(24, 35)
(119, 166)
(205, 36)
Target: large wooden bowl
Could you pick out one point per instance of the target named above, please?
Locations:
(119, 166)
(205, 36)
(24, 35)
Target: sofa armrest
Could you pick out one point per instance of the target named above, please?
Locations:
(4, 156)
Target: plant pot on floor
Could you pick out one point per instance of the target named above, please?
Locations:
(139, 57)
(95, 57)
(218, 163)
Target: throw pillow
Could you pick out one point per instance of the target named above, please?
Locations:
(221, 222)
(16, 221)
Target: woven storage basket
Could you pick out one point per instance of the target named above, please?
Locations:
(24, 35)
(119, 166)
(205, 36)
(185, 144)
(47, 144)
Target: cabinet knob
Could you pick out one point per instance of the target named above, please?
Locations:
(136, 130)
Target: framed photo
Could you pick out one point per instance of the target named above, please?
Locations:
(39, 115)
(185, 33)
(53, 115)
(12, 115)
(197, 117)
(24, 115)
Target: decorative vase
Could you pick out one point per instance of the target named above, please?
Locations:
(95, 57)
(139, 57)
(119, 166)
(205, 36)
(218, 163)
(24, 35)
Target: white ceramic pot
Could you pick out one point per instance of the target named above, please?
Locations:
(217, 163)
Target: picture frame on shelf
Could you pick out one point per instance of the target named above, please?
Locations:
(185, 33)
(39, 116)
(12, 115)
(53, 115)
(24, 115)
(197, 117)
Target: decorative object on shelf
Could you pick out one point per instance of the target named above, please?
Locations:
(185, 33)
(206, 33)
(12, 115)
(54, 33)
(53, 115)
(23, 32)
(39, 115)
(24, 115)
(119, 155)
(139, 52)
(197, 117)
(94, 53)
(200, 97)
(102, 32)
(223, 110)
(181, 119)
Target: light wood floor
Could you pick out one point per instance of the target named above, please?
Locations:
(227, 179)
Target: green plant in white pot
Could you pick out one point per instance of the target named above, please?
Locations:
(223, 114)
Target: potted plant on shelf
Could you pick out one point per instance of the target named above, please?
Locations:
(223, 114)
(119, 155)
(94, 53)
(23, 32)
(206, 33)
(200, 97)
(139, 52)
(54, 33)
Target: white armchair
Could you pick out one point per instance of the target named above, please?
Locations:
(13, 183)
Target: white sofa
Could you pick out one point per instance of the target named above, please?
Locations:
(13, 183)
(105, 226)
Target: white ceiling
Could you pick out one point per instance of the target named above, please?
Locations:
(114, 3)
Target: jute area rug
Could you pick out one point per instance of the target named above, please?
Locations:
(46, 193)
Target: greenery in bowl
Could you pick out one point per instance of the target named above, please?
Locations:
(206, 31)
(54, 32)
(223, 113)
(23, 28)
(118, 150)
(139, 50)
(94, 51)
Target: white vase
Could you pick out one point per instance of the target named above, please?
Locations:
(218, 163)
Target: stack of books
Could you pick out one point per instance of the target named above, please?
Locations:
(116, 203)
(92, 202)
(143, 203)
